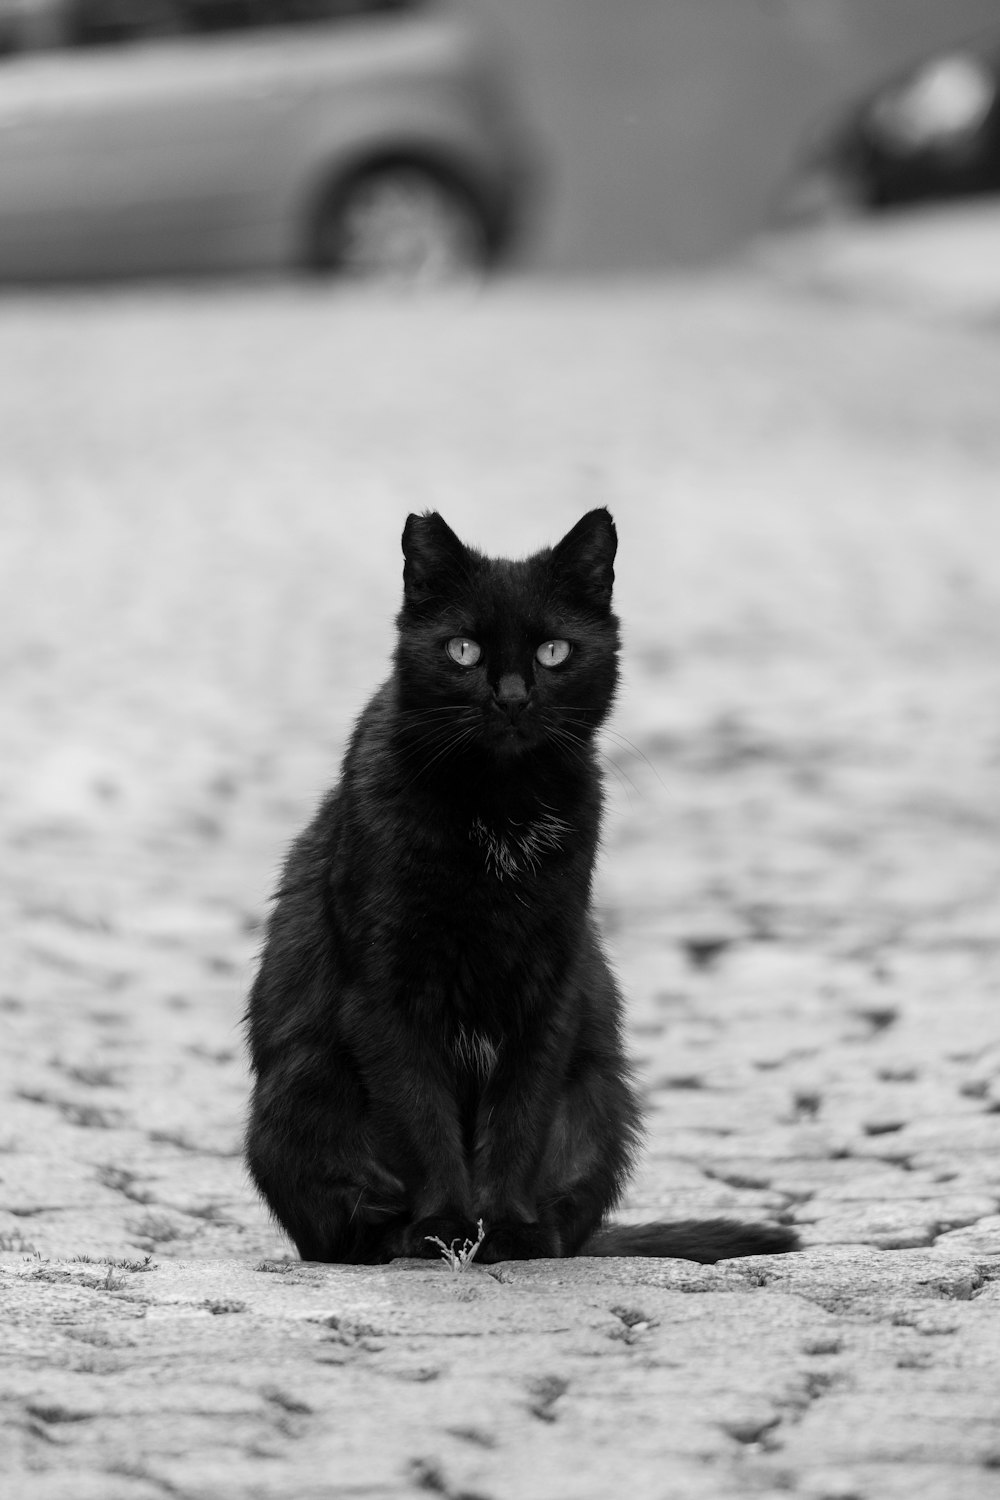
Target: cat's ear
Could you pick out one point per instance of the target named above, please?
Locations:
(583, 562)
(434, 558)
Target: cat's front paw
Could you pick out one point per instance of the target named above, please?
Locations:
(506, 1239)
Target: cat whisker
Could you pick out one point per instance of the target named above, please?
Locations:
(464, 709)
(418, 745)
(441, 755)
(627, 784)
(452, 744)
(573, 747)
(425, 732)
(611, 732)
(628, 744)
(605, 756)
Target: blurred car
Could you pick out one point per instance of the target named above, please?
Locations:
(929, 135)
(140, 137)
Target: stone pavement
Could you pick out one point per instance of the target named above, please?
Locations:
(201, 495)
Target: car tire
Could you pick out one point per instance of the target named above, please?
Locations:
(404, 225)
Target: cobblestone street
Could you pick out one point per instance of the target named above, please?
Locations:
(201, 498)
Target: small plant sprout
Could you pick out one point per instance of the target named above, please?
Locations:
(459, 1260)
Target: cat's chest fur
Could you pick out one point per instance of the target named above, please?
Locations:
(474, 1052)
(513, 849)
(486, 921)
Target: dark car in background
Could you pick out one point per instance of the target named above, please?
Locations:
(378, 138)
(929, 135)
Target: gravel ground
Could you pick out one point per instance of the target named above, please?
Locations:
(201, 495)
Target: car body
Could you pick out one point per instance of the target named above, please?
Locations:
(930, 134)
(143, 137)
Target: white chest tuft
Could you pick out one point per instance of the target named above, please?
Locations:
(519, 848)
(475, 1051)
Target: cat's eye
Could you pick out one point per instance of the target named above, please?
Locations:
(464, 651)
(552, 653)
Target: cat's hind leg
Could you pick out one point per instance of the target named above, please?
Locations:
(591, 1150)
(323, 1180)
(340, 1202)
(332, 1217)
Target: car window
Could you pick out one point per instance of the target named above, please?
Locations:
(33, 25)
(29, 25)
(98, 23)
(328, 10)
(243, 15)
(41, 25)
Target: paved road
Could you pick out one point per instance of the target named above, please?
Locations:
(201, 496)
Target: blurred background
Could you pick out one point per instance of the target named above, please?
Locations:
(418, 141)
(639, 229)
(730, 267)
(672, 128)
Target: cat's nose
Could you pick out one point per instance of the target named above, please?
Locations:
(511, 694)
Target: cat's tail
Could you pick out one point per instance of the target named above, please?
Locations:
(705, 1240)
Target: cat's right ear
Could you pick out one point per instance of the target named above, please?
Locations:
(434, 558)
(583, 562)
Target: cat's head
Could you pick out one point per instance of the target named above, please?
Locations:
(506, 656)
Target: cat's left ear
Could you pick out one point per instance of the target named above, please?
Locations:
(434, 558)
(583, 561)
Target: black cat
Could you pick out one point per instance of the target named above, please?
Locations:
(434, 1030)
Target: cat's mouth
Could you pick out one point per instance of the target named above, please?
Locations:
(513, 738)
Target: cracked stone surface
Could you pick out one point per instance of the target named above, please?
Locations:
(201, 496)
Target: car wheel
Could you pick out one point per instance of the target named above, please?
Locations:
(404, 225)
